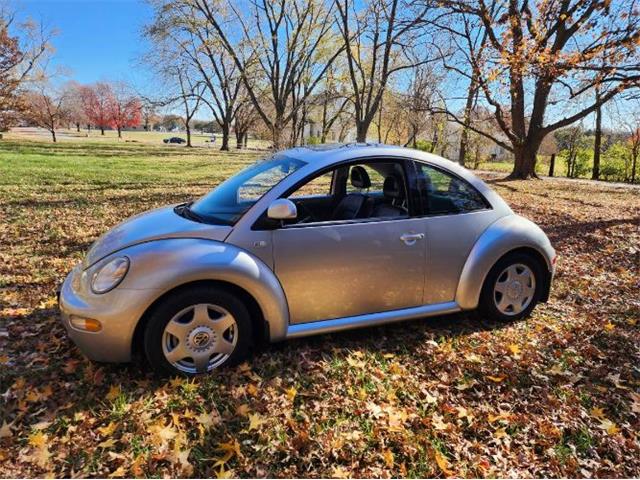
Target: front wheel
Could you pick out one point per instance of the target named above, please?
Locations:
(512, 288)
(196, 331)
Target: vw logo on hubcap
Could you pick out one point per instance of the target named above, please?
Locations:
(514, 290)
(201, 339)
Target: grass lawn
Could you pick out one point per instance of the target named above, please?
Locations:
(552, 396)
(542, 167)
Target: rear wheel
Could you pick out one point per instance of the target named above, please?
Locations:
(512, 289)
(196, 331)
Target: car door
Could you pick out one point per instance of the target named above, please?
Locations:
(335, 269)
(456, 214)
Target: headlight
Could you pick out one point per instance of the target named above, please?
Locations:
(109, 275)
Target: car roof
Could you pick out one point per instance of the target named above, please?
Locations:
(324, 155)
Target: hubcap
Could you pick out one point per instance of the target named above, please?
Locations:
(514, 289)
(199, 338)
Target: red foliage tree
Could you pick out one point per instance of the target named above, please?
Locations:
(125, 110)
(97, 102)
(106, 106)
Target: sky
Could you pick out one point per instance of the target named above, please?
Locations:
(96, 39)
(102, 39)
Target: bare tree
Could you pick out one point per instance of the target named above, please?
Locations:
(333, 101)
(73, 93)
(421, 94)
(378, 42)
(21, 59)
(179, 35)
(282, 43)
(245, 119)
(45, 107)
(544, 53)
(180, 89)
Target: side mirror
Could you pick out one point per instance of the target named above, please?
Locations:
(282, 209)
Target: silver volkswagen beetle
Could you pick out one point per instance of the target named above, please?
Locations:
(307, 241)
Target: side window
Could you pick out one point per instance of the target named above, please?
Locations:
(321, 185)
(366, 190)
(446, 193)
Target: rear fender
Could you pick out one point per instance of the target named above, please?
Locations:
(504, 235)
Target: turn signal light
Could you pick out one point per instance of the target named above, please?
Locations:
(86, 324)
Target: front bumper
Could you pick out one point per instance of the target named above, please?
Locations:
(118, 311)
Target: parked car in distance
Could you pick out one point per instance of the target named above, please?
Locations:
(307, 241)
(174, 140)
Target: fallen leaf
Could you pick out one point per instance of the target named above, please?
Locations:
(388, 458)
(5, 430)
(438, 422)
(107, 443)
(243, 410)
(340, 472)
(108, 429)
(515, 349)
(113, 393)
(208, 419)
(255, 421)
(37, 439)
(610, 427)
(118, 472)
(443, 463)
(291, 393)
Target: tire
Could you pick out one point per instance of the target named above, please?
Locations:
(197, 330)
(515, 301)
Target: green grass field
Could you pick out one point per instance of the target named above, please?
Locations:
(553, 396)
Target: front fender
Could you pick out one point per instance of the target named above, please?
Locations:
(504, 235)
(163, 265)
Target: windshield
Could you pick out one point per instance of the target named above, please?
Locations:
(231, 199)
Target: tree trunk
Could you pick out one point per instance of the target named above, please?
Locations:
(53, 136)
(225, 138)
(101, 130)
(238, 134)
(434, 140)
(552, 164)
(524, 166)
(246, 139)
(276, 134)
(323, 135)
(634, 165)
(362, 127)
(464, 135)
(188, 129)
(78, 127)
(119, 132)
(597, 141)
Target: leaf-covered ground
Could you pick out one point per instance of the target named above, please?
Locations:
(557, 395)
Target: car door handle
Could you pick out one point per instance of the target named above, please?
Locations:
(411, 238)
